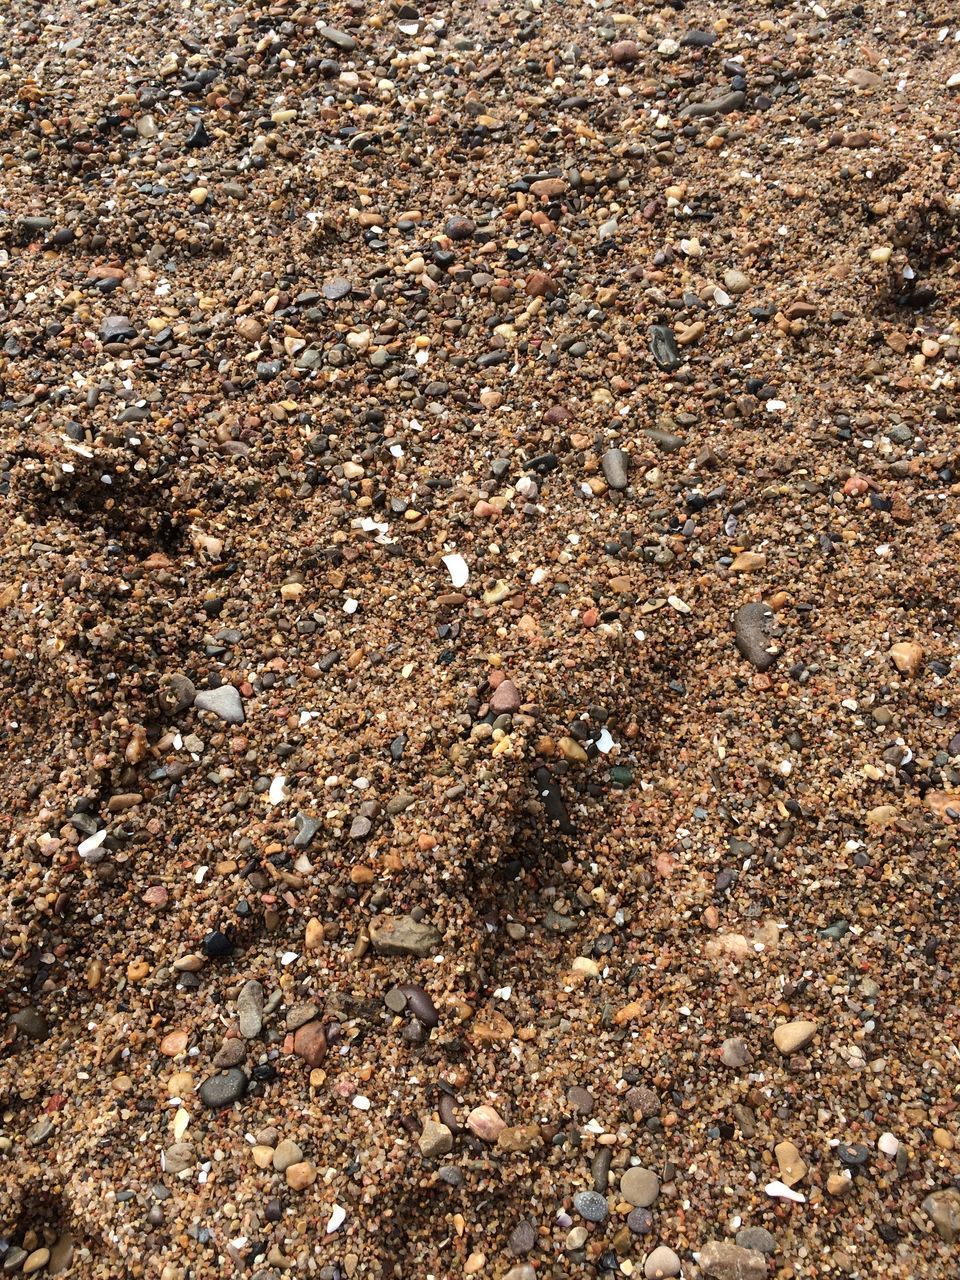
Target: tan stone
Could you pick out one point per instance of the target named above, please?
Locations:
(790, 1037)
(790, 1163)
(907, 657)
(301, 1175)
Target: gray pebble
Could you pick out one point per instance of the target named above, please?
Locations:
(223, 702)
(615, 466)
(223, 1089)
(721, 106)
(663, 344)
(250, 1009)
(758, 1238)
(753, 626)
(522, 1239)
(590, 1205)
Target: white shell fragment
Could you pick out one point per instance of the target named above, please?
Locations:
(457, 568)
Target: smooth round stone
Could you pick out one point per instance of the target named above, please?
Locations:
(590, 1205)
(38, 1259)
(640, 1187)
(336, 289)
(758, 1238)
(661, 1263)
(640, 1221)
(223, 1089)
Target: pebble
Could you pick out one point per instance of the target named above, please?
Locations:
(720, 106)
(591, 1205)
(757, 1239)
(661, 1263)
(639, 1186)
(404, 936)
(224, 1088)
(943, 1210)
(310, 1043)
(36, 1261)
(435, 1140)
(791, 1037)
(505, 699)
(223, 702)
(663, 344)
(301, 1175)
(616, 466)
(522, 1239)
(734, 1053)
(486, 1123)
(285, 1154)
(723, 1260)
(753, 626)
(250, 1009)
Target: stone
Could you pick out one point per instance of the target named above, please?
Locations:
(722, 1260)
(301, 1175)
(30, 1023)
(522, 1239)
(486, 1123)
(907, 657)
(791, 1037)
(734, 1053)
(14, 1258)
(459, 228)
(285, 1154)
(862, 78)
(523, 1272)
(223, 702)
(179, 1156)
(757, 1238)
(250, 1009)
(519, 1138)
(404, 936)
(310, 1043)
(435, 1140)
(335, 289)
(624, 53)
(753, 627)
(661, 1263)
(839, 1184)
(640, 1222)
(36, 1261)
(663, 344)
(582, 1100)
(418, 1002)
(249, 328)
(943, 1210)
(639, 1186)
(117, 329)
(615, 465)
(720, 106)
(341, 40)
(505, 699)
(177, 694)
(792, 1167)
(223, 1089)
(591, 1205)
(735, 282)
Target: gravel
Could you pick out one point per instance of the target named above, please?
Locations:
(478, 655)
